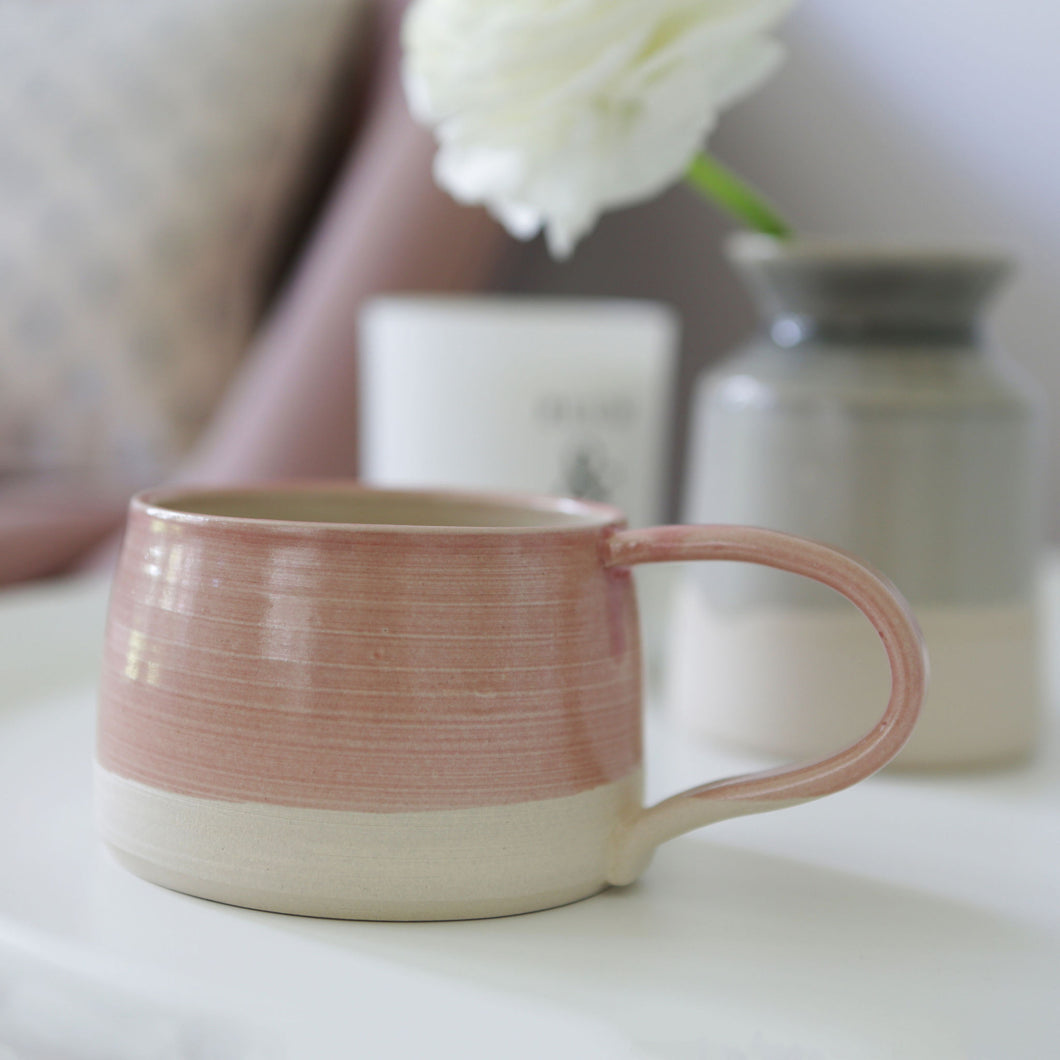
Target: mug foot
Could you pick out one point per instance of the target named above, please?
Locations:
(431, 865)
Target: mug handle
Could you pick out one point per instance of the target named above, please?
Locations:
(874, 595)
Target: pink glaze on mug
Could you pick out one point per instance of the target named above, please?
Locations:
(367, 668)
(339, 701)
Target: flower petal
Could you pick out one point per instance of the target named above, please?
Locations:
(550, 111)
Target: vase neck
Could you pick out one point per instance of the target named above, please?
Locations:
(812, 294)
(791, 330)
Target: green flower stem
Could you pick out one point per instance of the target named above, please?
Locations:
(709, 177)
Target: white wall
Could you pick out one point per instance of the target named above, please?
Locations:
(921, 119)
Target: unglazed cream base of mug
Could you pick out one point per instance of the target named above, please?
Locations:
(431, 865)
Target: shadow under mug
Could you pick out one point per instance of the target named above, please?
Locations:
(347, 702)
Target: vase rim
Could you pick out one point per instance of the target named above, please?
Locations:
(754, 247)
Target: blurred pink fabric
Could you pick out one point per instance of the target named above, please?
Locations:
(292, 410)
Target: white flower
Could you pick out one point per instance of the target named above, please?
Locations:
(551, 111)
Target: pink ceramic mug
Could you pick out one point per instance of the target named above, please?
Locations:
(344, 702)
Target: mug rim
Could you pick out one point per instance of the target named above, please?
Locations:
(572, 514)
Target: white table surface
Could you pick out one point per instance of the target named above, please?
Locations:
(908, 917)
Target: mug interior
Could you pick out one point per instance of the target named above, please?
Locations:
(392, 508)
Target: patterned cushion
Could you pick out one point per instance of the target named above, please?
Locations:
(149, 152)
